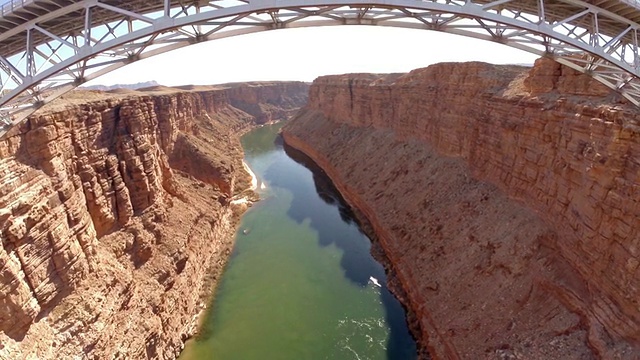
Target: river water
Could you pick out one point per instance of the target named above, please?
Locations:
(300, 283)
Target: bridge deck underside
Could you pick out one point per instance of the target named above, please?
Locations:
(73, 22)
(68, 23)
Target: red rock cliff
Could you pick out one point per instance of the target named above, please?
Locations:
(507, 201)
(115, 219)
(267, 103)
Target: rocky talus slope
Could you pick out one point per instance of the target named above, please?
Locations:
(506, 199)
(116, 217)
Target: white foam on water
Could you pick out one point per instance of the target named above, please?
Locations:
(362, 324)
(353, 351)
(361, 332)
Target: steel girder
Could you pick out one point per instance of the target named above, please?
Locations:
(52, 46)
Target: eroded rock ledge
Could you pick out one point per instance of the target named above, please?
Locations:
(116, 216)
(506, 199)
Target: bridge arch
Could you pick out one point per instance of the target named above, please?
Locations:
(49, 47)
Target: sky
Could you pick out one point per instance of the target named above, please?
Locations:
(306, 53)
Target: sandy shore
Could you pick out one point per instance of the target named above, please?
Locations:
(254, 185)
(254, 179)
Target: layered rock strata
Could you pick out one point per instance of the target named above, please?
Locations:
(116, 218)
(506, 199)
(267, 103)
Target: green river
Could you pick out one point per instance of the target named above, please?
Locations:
(301, 283)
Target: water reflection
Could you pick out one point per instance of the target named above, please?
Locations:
(356, 260)
(298, 284)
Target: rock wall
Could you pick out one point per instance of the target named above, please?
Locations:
(268, 103)
(116, 220)
(506, 199)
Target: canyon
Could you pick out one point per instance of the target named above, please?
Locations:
(503, 200)
(117, 215)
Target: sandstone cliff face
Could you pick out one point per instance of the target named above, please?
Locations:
(506, 199)
(268, 103)
(115, 218)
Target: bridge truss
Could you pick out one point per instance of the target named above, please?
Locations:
(49, 47)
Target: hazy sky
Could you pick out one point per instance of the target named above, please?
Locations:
(304, 54)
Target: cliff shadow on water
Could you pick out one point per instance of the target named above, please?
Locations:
(358, 265)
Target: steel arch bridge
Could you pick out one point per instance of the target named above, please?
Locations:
(49, 47)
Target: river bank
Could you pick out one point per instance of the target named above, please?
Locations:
(364, 216)
(301, 282)
(445, 163)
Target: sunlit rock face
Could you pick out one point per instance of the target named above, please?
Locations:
(115, 216)
(507, 200)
